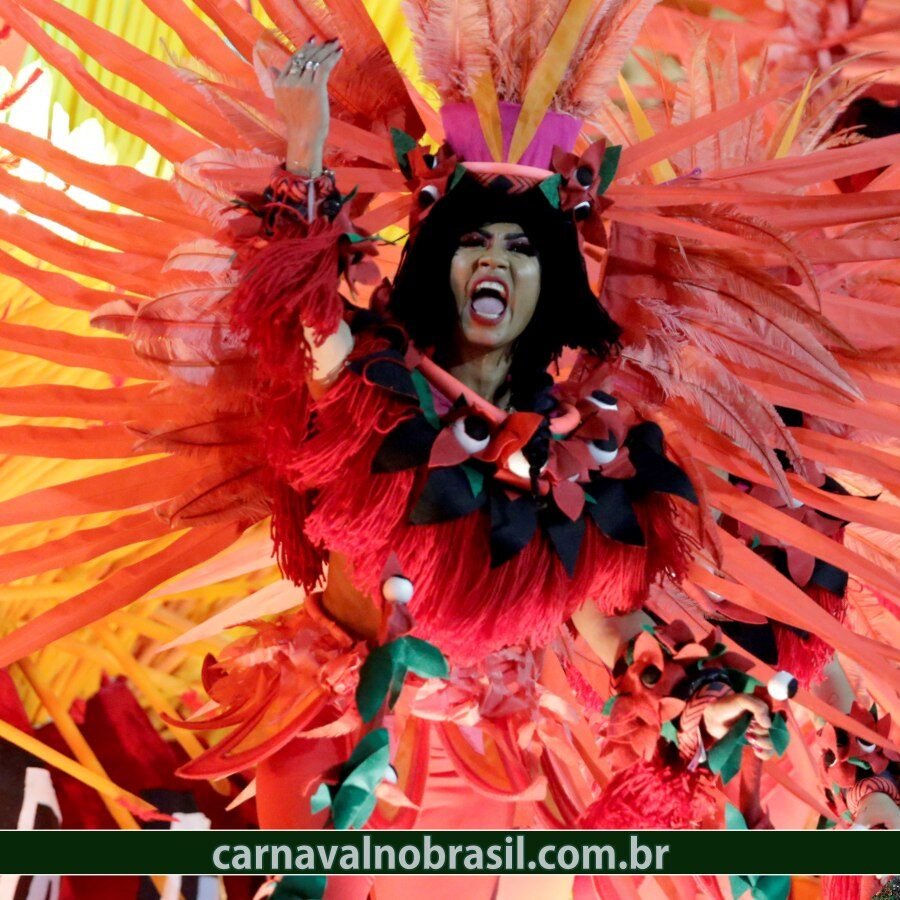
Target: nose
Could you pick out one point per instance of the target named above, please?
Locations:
(493, 257)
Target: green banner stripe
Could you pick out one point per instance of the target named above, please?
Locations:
(456, 852)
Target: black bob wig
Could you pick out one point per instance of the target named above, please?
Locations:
(568, 313)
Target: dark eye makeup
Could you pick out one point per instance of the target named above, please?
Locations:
(518, 243)
(474, 239)
(522, 245)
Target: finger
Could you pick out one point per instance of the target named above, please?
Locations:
(301, 56)
(763, 742)
(323, 50)
(325, 68)
(329, 60)
(756, 707)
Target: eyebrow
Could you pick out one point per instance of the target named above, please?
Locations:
(509, 236)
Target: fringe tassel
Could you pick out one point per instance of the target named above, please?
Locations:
(463, 605)
(654, 795)
(289, 284)
(806, 656)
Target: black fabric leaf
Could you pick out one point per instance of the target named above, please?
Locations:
(565, 535)
(756, 639)
(613, 513)
(513, 524)
(388, 370)
(829, 577)
(406, 446)
(655, 471)
(447, 495)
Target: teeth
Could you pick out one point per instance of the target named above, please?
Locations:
(497, 286)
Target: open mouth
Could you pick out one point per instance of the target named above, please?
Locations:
(488, 301)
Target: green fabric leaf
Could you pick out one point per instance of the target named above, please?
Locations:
(300, 887)
(669, 732)
(607, 707)
(771, 887)
(354, 799)
(369, 773)
(740, 884)
(376, 741)
(724, 757)
(550, 189)
(649, 628)
(734, 819)
(421, 657)
(375, 678)
(779, 733)
(609, 167)
(742, 682)
(352, 807)
(403, 143)
(476, 479)
(321, 799)
(458, 173)
(426, 398)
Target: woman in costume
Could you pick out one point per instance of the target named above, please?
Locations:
(549, 497)
(545, 497)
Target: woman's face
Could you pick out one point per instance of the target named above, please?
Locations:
(495, 276)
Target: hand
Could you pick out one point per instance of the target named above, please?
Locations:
(720, 716)
(301, 98)
(878, 810)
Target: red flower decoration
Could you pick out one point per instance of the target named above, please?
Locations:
(847, 758)
(429, 178)
(579, 192)
(800, 563)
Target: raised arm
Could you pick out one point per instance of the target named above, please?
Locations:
(301, 97)
(288, 299)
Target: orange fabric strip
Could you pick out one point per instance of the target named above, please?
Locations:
(713, 448)
(126, 271)
(671, 140)
(95, 442)
(837, 451)
(118, 184)
(172, 140)
(120, 589)
(240, 28)
(82, 545)
(122, 232)
(201, 41)
(158, 79)
(772, 521)
(54, 287)
(149, 482)
(111, 355)
(104, 405)
(882, 418)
